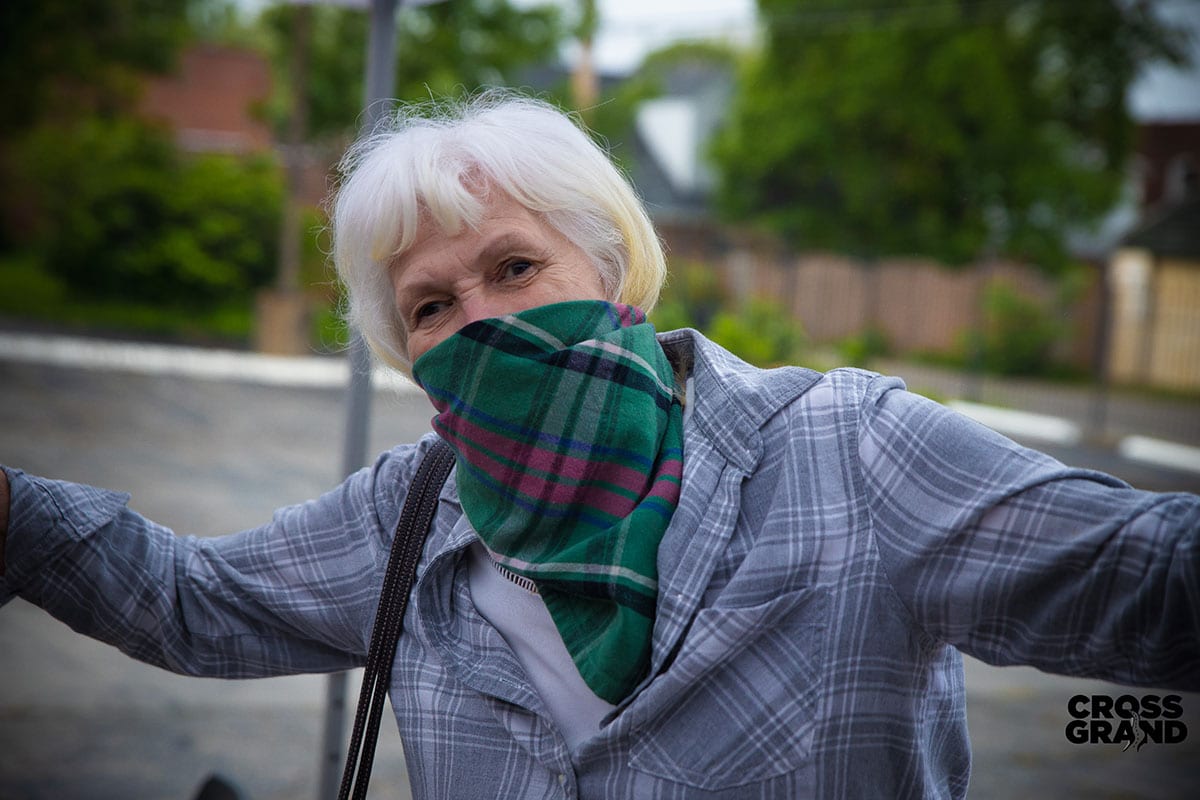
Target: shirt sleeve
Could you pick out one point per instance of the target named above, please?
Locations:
(295, 595)
(1015, 558)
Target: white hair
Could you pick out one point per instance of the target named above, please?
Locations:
(436, 162)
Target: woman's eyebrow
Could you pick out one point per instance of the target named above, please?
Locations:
(412, 283)
(507, 243)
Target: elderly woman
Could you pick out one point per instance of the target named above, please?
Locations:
(657, 571)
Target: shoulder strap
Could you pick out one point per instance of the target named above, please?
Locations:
(415, 521)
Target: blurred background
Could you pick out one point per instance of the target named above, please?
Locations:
(998, 200)
(952, 190)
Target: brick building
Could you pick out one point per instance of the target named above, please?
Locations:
(213, 100)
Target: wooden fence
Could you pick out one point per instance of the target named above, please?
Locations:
(918, 305)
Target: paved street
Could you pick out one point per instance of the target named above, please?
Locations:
(1118, 412)
(79, 720)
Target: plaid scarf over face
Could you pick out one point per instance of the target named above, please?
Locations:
(569, 437)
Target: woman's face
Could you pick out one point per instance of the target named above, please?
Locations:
(511, 262)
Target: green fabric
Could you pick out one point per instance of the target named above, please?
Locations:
(569, 437)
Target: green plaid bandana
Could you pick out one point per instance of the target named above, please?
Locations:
(569, 437)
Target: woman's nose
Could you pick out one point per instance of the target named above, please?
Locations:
(480, 306)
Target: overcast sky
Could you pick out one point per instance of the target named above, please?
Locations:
(631, 28)
(1165, 93)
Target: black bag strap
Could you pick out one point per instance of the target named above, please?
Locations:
(415, 521)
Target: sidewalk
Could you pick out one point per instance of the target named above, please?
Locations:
(1137, 426)
(144, 358)
(1158, 431)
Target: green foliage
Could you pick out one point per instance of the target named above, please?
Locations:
(330, 331)
(1019, 332)
(945, 129)
(467, 44)
(61, 60)
(659, 63)
(691, 298)
(859, 350)
(761, 332)
(33, 295)
(60, 56)
(443, 49)
(222, 22)
(122, 215)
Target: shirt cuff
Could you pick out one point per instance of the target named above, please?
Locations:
(45, 516)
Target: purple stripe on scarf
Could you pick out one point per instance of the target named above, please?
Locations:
(473, 439)
(482, 440)
(452, 406)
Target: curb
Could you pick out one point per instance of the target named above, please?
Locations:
(193, 362)
(1160, 453)
(1025, 424)
(334, 373)
(1056, 430)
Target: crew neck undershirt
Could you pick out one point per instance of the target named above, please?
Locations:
(522, 619)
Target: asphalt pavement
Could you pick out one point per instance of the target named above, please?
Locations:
(209, 455)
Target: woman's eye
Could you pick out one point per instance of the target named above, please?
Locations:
(426, 310)
(515, 269)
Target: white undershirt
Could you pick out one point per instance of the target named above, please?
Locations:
(521, 617)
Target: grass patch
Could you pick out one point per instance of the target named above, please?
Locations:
(33, 297)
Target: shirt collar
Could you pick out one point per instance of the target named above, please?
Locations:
(731, 400)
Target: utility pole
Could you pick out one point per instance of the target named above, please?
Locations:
(380, 85)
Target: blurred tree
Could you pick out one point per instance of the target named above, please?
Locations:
(223, 22)
(946, 128)
(442, 49)
(64, 61)
(124, 215)
(67, 57)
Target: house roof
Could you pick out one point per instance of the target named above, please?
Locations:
(1173, 231)
(664, 150)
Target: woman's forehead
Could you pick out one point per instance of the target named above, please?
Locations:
(503, 225)
(496, 209)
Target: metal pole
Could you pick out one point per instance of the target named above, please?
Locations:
(1101, 377)
(380, 85)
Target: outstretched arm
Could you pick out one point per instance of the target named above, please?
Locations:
(294, 595)
(3, 516)
(1015, 558)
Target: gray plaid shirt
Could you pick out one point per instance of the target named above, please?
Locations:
(838, 542)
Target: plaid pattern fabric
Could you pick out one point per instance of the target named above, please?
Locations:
(569, 439)
(837, 541)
